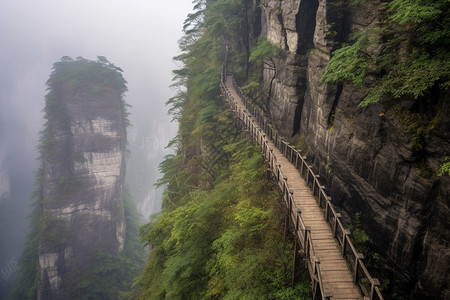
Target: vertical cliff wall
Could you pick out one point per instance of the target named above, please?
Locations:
(381, 160)
(82, 176)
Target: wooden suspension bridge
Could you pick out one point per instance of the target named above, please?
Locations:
(336, 268)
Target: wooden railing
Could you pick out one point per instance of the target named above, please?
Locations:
(261, 131)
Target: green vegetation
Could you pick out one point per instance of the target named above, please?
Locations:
(445, 167)
(374, 261)
(53, 232)
(415, 58)
(349, 63)
(110, 276)
(225, 242)
(84, 73)
(220, 234)
(28, 265)
(261, 57)
(106, 276)
(79, 74)
(78, 157)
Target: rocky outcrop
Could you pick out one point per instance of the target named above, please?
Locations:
(83, 171)
(290, 25)
(368, 157)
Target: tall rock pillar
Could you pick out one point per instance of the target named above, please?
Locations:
(82, 176)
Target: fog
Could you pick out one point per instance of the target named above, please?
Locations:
(139, 36)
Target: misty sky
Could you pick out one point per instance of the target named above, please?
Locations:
(139, 36)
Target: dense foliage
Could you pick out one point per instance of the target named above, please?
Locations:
(415, 55)
(348, 63)
(79, 74)
(261, 58)
(110, 276)
(220, 234)
(226, 242)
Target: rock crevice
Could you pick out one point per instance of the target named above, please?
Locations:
(367, 157)
(83, 168)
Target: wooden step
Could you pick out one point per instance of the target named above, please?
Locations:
(335, 272)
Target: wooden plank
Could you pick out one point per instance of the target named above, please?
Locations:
(321, 231)
(298, 189)
(312, 213)
(316, 237)
(342, 289)
(302, 195)
(337, 276)
(327, 241)
(306, 201)
(333, 267)
(311, 222)
(335, 273)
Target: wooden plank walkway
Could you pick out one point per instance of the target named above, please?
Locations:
(335, 275)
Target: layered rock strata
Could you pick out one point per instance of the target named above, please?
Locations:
(366, 156)
(83, 171)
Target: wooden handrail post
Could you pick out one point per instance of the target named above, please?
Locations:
(305, 242)
(375, 282)
(338, 215)
(316, 263)
(297, 221)
(321, 191)
(314, 184)
(327, 295)
(301, 168)
(290, 197)
(327, 207)
(307, 175)
(271, 159)
(358, 257)
(314, 281)
(345, 235)
(265, 150)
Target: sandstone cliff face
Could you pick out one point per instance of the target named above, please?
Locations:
(366, 156)
(82, 180)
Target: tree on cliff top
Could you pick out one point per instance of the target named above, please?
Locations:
(108, 277)
(219, 233)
